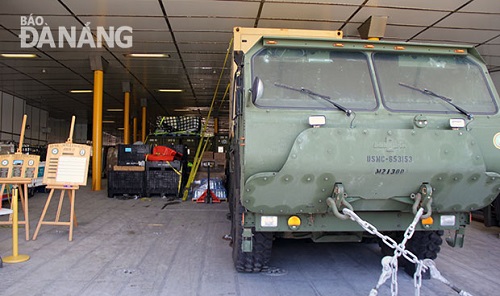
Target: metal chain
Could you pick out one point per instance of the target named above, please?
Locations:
(390, 264)
(399, 250)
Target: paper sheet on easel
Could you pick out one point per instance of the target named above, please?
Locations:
(71, 169)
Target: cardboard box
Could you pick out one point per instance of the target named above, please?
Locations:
(128, 168)
(208, 155)
(220, 157)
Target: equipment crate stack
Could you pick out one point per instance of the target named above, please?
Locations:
(164, 167)
(127, 178)
(142, 171)
(124, 180)
(163, 177)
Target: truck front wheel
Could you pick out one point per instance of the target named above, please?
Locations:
(423, 244)
(257, 260)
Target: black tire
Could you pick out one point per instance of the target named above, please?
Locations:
(258, 259)
(496, 209)
(424, 245)
(488, 216)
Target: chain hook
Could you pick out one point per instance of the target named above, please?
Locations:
(338, 201)
(423, 199)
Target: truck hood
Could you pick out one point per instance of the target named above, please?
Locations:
(379, 169)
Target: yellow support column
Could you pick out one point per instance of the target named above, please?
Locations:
(144, 103)
(97, 64)
(126, 113)
(134, 126)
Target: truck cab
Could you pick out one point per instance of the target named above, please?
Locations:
(321, 123)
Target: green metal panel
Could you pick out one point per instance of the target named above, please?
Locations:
(374, 166)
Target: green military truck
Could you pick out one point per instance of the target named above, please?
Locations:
(387, 130)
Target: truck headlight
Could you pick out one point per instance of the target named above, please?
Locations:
(269, 221)
(447, 220)
(457, 123)
(317, 120)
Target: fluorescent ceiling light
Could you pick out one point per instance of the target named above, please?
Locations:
(147, 55)
(191, 109)
(19, 55)
(121, 128)
(80, 91)
(114, 110)
(171, 90)
(108, 121)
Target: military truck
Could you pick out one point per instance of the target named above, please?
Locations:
(321, 123)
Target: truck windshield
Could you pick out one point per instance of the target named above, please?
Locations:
(342, 76)
(457, 78)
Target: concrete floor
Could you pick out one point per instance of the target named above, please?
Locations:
(142, 247)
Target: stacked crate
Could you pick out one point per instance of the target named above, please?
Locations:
(126, 181)
(127, 177)
(163, 178)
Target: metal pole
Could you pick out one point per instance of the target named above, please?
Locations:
(97, 131)
(126, 120)
(134, 124)
(15, 258)
(143, 124)
(209, 192)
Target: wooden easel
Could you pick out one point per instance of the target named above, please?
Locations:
(17, 165)
(57, 176)
(72, 218)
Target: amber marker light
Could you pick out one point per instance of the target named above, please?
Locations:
(427, 221)
(271, 42)
(459, 51)
(369, 46)
(338, 44)
(399, 47)
(294, 222)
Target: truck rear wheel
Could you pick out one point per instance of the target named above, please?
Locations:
(257, 260)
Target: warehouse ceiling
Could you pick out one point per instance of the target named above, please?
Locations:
(196, 36)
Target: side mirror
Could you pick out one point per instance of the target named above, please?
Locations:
(257, 89)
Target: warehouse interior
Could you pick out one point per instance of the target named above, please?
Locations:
(196, 36)
(167, 63)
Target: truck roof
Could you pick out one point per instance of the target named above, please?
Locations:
(246, 38)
